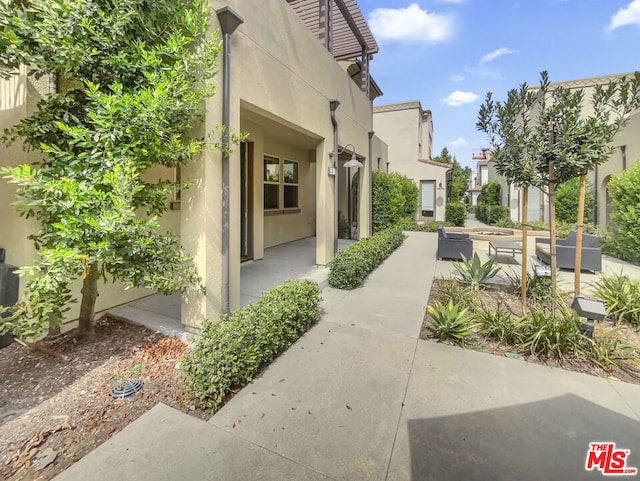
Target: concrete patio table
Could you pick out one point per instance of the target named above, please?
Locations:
(504, 246)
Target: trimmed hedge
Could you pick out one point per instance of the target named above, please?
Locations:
(394, 196)
(231, 352)
(354, 263)
(411, 225)
(456, 213)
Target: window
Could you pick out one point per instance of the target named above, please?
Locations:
(271, 182)
(290, 184)
(427, 198)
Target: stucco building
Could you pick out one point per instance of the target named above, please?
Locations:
(407, 129)
(299, 87)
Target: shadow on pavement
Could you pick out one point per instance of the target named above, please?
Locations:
(544, 440)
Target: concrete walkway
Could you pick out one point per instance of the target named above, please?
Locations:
(360, 397)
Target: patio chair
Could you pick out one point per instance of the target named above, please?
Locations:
(566, 252)
(454, 245)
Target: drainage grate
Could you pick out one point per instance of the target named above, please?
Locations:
(126, 388)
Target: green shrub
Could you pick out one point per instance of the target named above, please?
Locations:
(455, 213)
(475, 273)
(481, 212)
(548, 333)
(231, 352)
(497, 213)
(450, 323)
(410, 225)
(625, 194)
(453, 288)
(352, 264)
(621, 297)
(394, 197)
(538, 287)
(567, 201)
(499, 325)
(490, 194)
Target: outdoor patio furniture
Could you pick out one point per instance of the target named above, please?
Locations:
(566, 252)
(504, 246)
(454, 245)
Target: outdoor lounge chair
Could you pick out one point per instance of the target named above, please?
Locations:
(453, 245)
(566, 252)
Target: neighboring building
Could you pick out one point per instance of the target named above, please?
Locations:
(291, 92)
(408, 131)
(626, 151)
(482, 175)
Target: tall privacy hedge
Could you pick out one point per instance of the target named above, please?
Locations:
(231, 352)
(354, 263)
(625, 195)
(394, 196)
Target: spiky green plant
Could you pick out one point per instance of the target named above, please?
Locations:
(450, 322)
(499, 324)
(475, 273)
(621, 297)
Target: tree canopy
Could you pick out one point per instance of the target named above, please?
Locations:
(132, 77)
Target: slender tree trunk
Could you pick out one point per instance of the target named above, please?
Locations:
(525, 238)
(552, 232)
(88, 305)
(579, 230)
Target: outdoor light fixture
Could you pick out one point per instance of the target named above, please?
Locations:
(353, 162)
(542, 271)
(440, 187)
(592, 309)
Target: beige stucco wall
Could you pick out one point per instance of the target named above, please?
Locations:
(282, 76)
(408, 134)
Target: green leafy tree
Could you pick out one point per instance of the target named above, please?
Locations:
(132, 79)
(567, 199)
(545, 136)
(460, 176)
(444, 157)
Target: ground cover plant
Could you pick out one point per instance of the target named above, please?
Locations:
(491, 319)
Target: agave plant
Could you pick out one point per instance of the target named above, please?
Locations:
(450, 322)
(474, 272)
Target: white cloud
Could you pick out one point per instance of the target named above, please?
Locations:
(495, 54)
(630, 15)
(459, 142)
(411, 24)
(458, 98)
(456, 78)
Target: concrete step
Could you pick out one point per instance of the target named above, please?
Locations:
(166, 444)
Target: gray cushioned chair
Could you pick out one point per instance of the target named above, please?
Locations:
(566, 252)
(453, 245)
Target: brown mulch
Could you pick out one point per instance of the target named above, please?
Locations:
(55, 403)
(627, 370)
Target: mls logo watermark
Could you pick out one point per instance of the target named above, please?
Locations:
(610, 461)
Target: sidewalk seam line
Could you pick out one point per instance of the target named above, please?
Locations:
(242, 438)
(404, 398)
(611, 383)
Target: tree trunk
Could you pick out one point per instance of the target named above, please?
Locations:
(525, 238)
(88, 305)
(552, 232)
(579, 229)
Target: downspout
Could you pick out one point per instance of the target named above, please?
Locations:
(229, 21)
(369, 168)
(333, 105)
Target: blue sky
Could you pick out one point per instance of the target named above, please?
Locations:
(449, 53)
